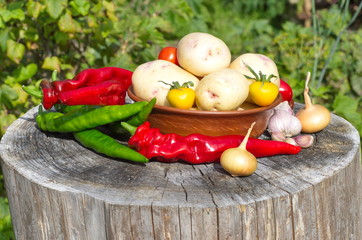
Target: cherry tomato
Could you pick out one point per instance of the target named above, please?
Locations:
(182, 98)
(286, 91)
(168, 54)
(263, 94)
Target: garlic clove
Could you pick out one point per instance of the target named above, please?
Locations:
(304, 141)
(278, 136)
(291, 141)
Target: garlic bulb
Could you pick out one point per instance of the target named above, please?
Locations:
(284, 123)
(284, 126)
(284, 106)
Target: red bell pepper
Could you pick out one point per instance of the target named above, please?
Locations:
(198, 148)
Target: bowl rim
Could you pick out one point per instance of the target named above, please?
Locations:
(167, 109)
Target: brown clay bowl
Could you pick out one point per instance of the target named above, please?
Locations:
(212, 123)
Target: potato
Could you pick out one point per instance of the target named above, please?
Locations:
(202, 53)
(222, 90)
(147, 77)
(257, 62)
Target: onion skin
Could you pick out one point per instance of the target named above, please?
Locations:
(238, 162)
(313, 117)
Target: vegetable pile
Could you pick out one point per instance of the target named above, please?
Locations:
(219, 83)
(197, 74)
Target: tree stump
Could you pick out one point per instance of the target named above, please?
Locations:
(58, 189)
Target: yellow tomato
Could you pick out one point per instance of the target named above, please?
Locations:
(263, 94)
(183, 97)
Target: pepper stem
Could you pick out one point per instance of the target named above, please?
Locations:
(54, 75)
(245, 140)
(130, 128)
(32, 91)
(40, 109)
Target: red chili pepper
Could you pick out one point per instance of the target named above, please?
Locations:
(50, 97)
(89, 77)
(198, 148)
(105, 93)
(102, 86)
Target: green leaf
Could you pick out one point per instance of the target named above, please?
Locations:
(354, 117)
(356, 78)
(110, 10)
(6, 229)
(66, 23)
(81, 6)
(92, 21)
(24, 73)
(4, 36)
(18, 14)
(4, 208)
(344, 105)
(5, 121)
(51, 63)
(8, 92)
(7, 96)
(5, 14)
(34, 8)
(2, 24)
(61, 37)
(15, 51)
(55, 7)
(22, 95)
(32, 34)
(13, 11)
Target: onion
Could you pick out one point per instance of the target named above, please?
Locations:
(238, 161)
(313, 117)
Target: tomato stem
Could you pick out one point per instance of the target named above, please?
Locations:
(176, 85)
(261, 77)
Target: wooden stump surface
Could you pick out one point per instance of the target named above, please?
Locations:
(58, 189)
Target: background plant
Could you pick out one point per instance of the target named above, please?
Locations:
(39, 36)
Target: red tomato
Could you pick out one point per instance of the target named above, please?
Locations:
(286, 91)
(168, 54)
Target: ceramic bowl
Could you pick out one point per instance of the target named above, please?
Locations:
(212, 123)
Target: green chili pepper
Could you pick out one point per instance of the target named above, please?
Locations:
(87, 117)
(138, 119)
(102, 143)
(46, 117)
(63, 108)
(142, 116)
(129, 128)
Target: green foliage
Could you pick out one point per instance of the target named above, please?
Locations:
(332, 53)
(6, 230)
(39, 36)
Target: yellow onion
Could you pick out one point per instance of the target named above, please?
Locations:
(238, 161)
(313, 117)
